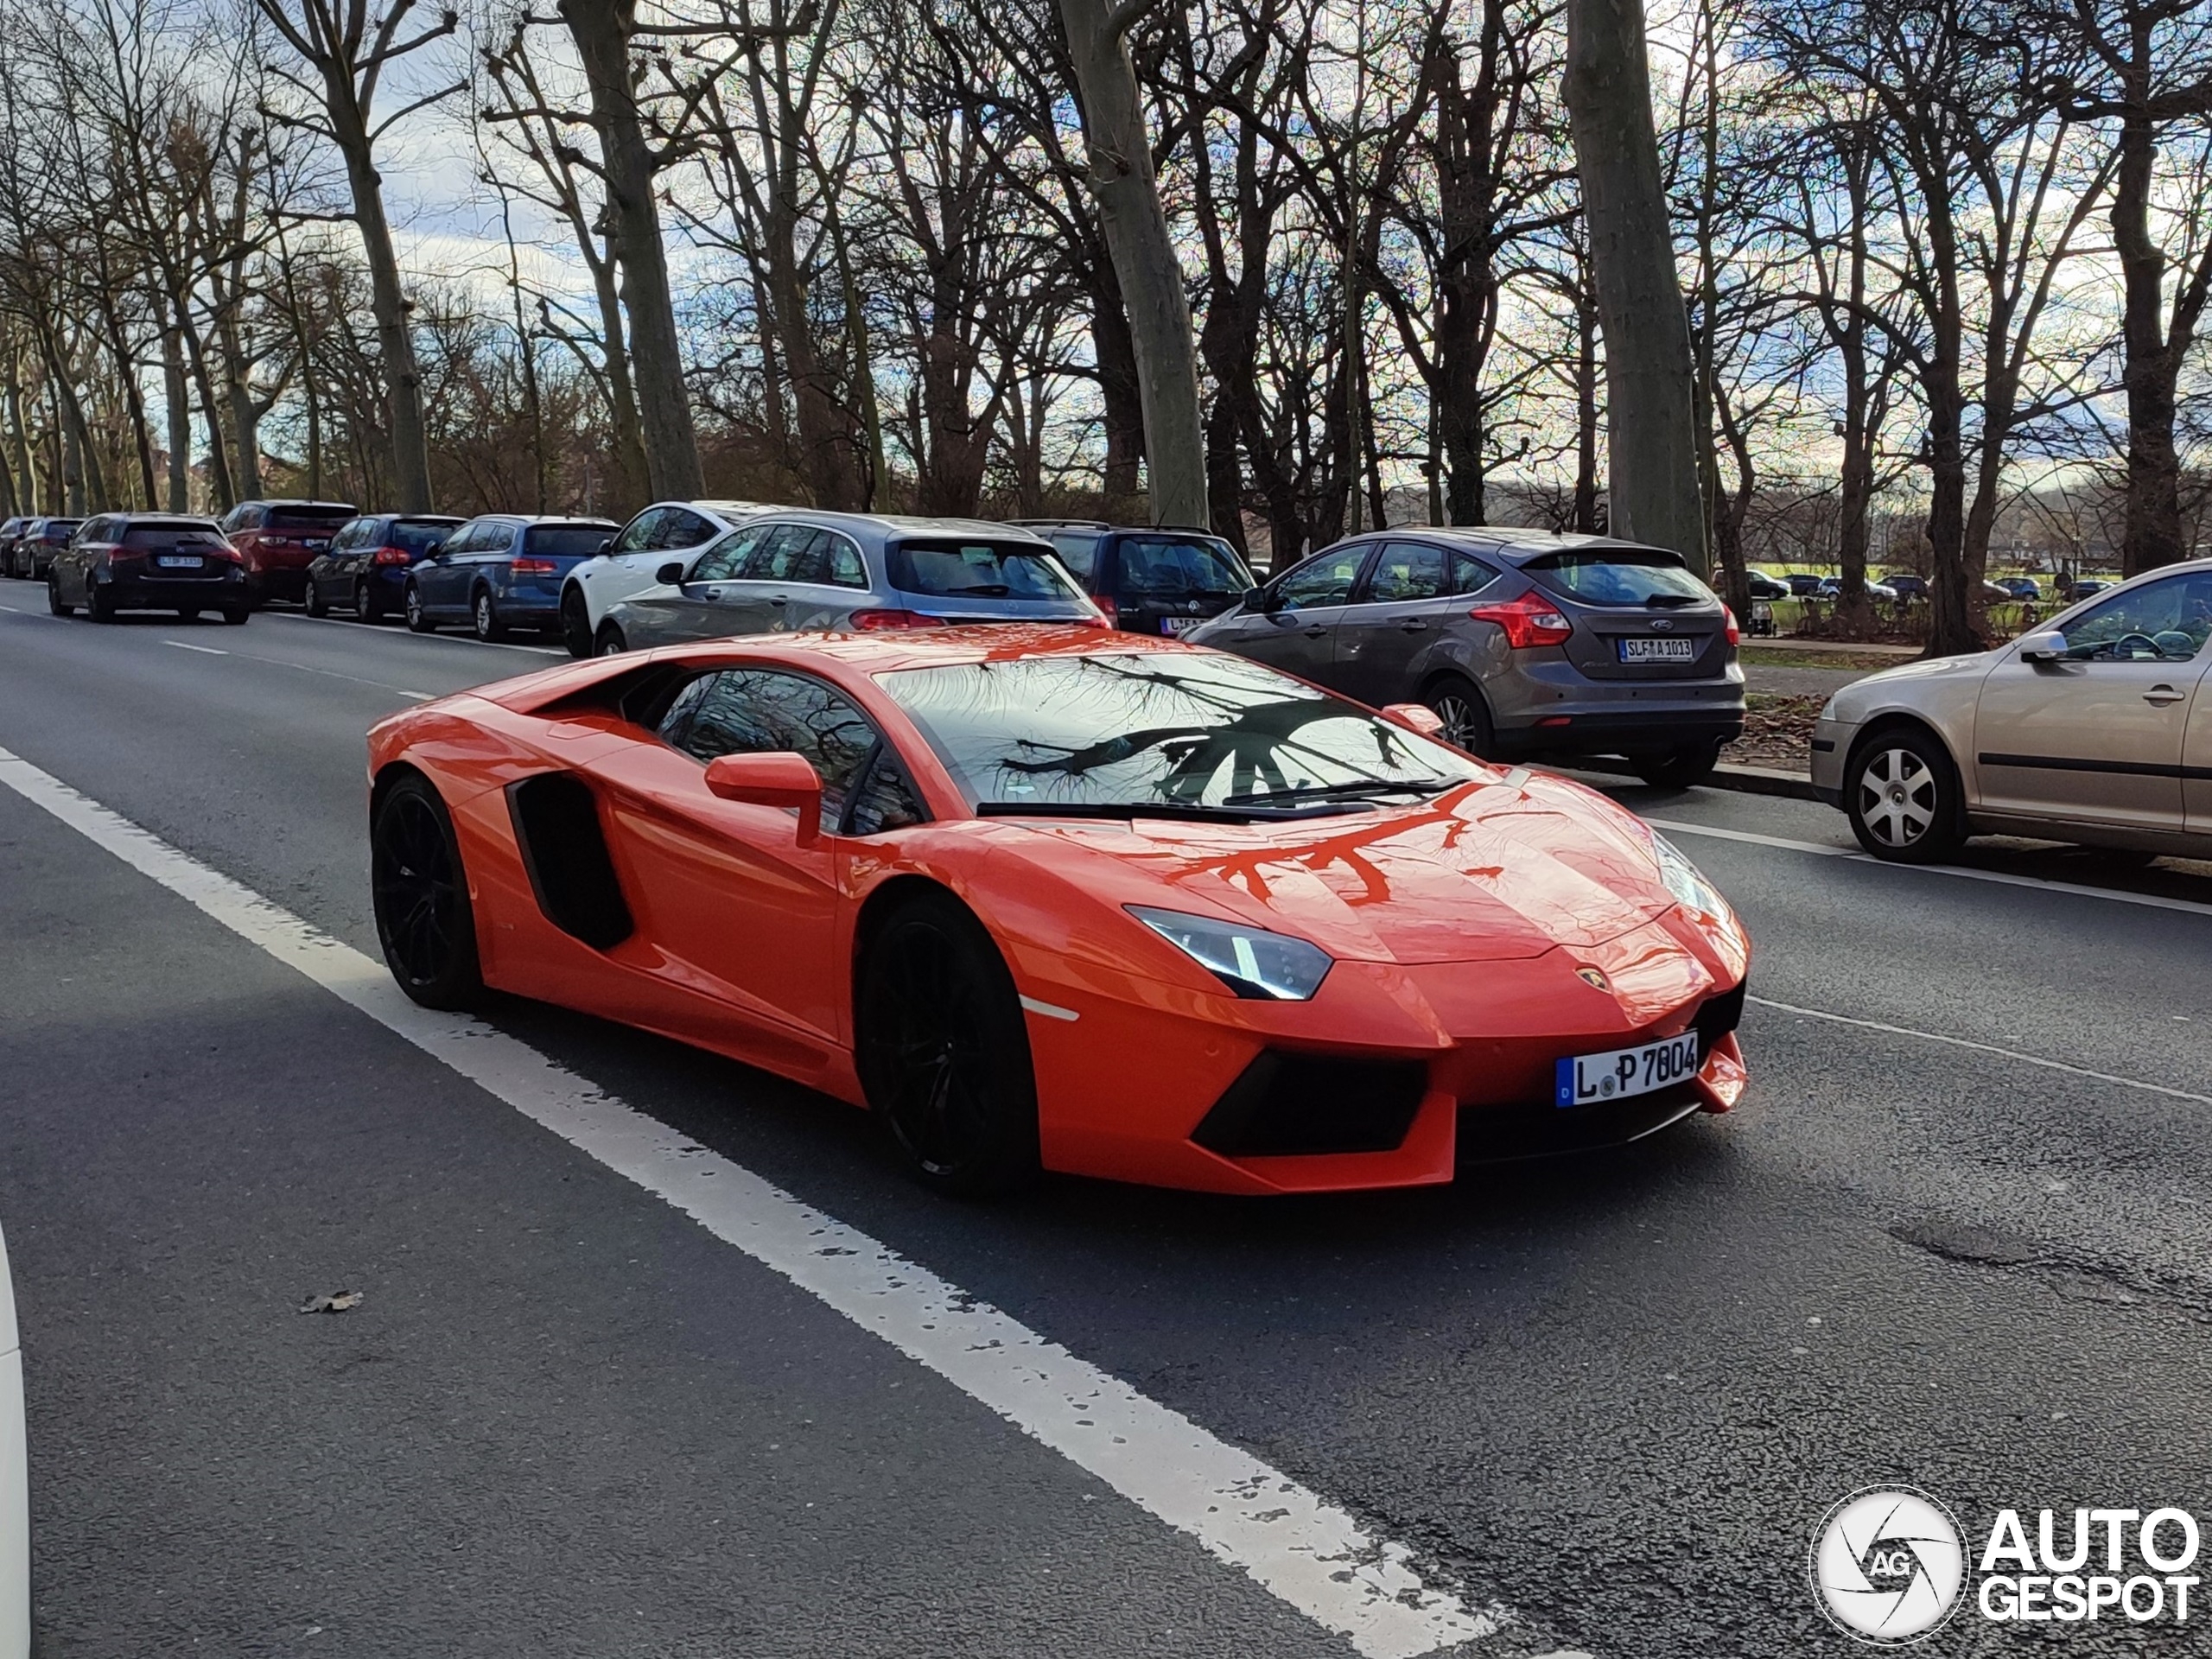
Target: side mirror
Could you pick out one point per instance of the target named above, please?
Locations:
(2049, 647)
(770, 780)
(1256, 599)
(671, 573)
(607, 545)
(1415, 717)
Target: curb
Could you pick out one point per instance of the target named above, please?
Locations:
(1744, 780)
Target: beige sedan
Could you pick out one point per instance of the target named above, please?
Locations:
(2096, 729)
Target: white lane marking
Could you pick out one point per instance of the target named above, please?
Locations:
(1050, 1010)
(204, 651)
(1288, 1538)
(2080, 890)
(306, 667)
(450, 639)
(11, 610)
(1979, 1048)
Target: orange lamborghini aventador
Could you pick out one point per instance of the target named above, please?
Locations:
(1054, 898)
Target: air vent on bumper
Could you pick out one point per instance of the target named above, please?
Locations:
(1289, 1103)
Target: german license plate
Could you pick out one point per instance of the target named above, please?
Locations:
(1658, 650)
(178, 561)
(1180, 624)
(1586, 1079)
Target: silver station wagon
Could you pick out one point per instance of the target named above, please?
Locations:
(1526, 643)
(788, 571)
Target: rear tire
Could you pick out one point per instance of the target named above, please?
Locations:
(420, 892)
(611, 642)
(576, 623)
(236, 615)
(53, 600)
(1456, 700)
(943, 1052)
(366, 607)
(483, 616)
(1679, 768)
(311, 600)
(99, 604)
(418, 620)
(1902, 795)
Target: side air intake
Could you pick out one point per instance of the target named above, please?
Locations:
(556, 823)
(1288, 1102)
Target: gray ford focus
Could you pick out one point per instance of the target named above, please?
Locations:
(1525, 643)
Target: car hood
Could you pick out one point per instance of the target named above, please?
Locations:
(1500, 870)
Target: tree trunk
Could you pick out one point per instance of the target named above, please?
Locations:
(601, 30)
(1586, 414)
(178, 397)
(1144, 262)
(1124, 404)
(1650, 416)
(403, 376)
(2151, 364)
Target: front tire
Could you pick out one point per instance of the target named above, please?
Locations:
(611, 642)
(53, 600)
(1459, 705)
(944, 1054)
(235, 616)
(1679, 768)
(1903, 797)
(311, 600)
(418, 620)
(576, 623)
(420, 891)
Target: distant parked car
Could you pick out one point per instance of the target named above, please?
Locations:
(9, 529)
(628, 562)
(279, 539)
(2021, 587)
(365, 566)
(1906, 585)
(37, 543)
(148, 562)
(1766, 587)
(1831, 587)
(1803, 585)
(501, 571)
(1149, 581)
(788, 571)
(2080, 588)
(1524, 643)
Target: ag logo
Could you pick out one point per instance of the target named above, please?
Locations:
(1887, 1565)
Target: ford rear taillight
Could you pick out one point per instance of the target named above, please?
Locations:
(1735, 633)
(1529, 620)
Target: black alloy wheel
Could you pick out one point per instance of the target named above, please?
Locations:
(1466, 717)
(576, 623)
(1679, 768)
(421, 896)
(366, 607)
(944, 1054)
(611, 642)
(483, 615)
(313, 601)
(1902, 795)
(54, 602)
(418, 620)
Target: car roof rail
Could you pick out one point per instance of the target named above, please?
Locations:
(1072, 523)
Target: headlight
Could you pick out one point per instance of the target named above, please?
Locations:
(1685, 880)
(1250, 961)
(1827, 709)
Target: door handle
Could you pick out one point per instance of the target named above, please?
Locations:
(2163, 695)
(1315, 633)
(780, 599)
(1412, 625)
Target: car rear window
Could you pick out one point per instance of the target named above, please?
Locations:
(565, 541)
(1163, 568)
(60, 530)
(419, 537)
(1078, 550)
(1621, 575)
(949, 567)
(308, 517)
(169, 536)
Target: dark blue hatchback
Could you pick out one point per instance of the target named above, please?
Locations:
(365, 568)
(501, 571)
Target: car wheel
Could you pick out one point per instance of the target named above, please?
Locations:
(367, 608)
(99, 602)
(611, 642)
(53, 600)
(418, 620)
(485, 615)
(420, 893)
(576, 623)
(313, 601)
(188, 612)
(944, 1051)
(236, 616)
(1902, 794)
(1679, 768)
(1466, 717)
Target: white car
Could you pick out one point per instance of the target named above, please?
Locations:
(664, 530)
(15, 1499)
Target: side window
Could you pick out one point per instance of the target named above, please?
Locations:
(1078, 551)
(1325, 579)
(1470, 575)
(678, 530)
(846, 568)
(771, 558)
(638, 535)
(884, 799)
(760, 711)
(806, 557)
(722, 561)
(1406, 571)
(2160, 621)
(459, 541)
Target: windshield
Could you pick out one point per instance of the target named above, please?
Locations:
(1150, 729)
(953, 569)
(1180, 570)
(1621, 575)
(565, 541)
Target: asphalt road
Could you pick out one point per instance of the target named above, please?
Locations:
(1611, 1397)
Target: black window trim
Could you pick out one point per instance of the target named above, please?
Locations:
(1370, 545)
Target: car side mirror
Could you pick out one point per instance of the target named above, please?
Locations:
(671, 573)
(1257, 599)
(1415, 717)
(607, 545)
(2049, 647)
(771, 780)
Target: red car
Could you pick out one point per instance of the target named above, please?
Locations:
(1045, 896)
(279, 539)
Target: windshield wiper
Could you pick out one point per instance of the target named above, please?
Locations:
(988, 589)
(1352, 791)
(1228, 812)
(1672, 600)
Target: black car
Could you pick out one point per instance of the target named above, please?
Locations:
(1802, 586)
(10, 530)
(1154, 580)
(148, 562)
(365, 568)
(1766, 587)
(36, 544)
(1907, 586)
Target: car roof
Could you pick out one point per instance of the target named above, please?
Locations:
(1515, 544)
(295, 501)
(884, 525)
(538, 519)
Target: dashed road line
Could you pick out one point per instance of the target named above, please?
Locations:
(450, 639)
(204, 651)
(1287, 1538)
